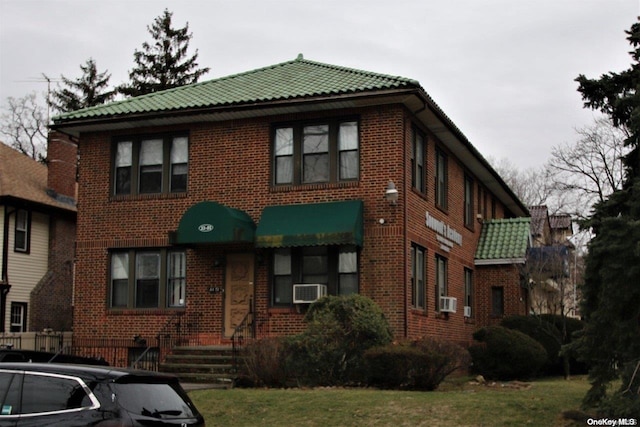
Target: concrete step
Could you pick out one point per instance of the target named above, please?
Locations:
(202, 364)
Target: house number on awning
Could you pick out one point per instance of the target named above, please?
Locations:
(205, 228)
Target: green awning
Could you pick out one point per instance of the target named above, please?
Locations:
(318, 224)
(211, 222)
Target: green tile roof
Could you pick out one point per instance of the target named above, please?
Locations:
(503, 239)
(295, 79)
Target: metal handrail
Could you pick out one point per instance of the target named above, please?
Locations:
(244, 330)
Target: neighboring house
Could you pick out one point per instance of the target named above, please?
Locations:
(259, 192)
(549, 261)
(37, 231)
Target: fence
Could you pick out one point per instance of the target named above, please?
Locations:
(135, 353)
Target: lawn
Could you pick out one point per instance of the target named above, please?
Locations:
(457, 403)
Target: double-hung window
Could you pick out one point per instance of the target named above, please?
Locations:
(418, 261)
(441, 179)
(418, 171)
(151, 165)
(333, 266)
(18, 317)
(22, 231)
(441, 279)
(316, 153)
(468, 290)
(147, 279)
(468, 202)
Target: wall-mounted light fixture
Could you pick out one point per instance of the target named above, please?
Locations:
(391, 193)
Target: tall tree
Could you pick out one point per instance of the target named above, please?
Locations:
(590, 169)
(611, 292)
(23, 123)
(163, 63)
(86, 91)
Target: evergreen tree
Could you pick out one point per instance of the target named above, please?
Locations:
(86, 91)
(610, 342)
(163, 64)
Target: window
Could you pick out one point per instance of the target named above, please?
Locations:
(316, 153)
(418, 277)
(22, 235)
(441, 279)
(497, 301)
(334, 266)
(10, 384)
(176, 277)
(151, 165)
(468, 202)
(49, 393)
(147, 279)
(468, 290)
(417, 161)
(18, 317)
(441, 179)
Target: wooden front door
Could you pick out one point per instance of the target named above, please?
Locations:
(238, 290)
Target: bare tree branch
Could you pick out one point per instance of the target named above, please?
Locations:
(24, 125)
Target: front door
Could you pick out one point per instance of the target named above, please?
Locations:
(238, 290)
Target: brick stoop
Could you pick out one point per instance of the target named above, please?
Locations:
(202, 364)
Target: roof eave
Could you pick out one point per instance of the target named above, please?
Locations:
(75, 127)
(500, 261)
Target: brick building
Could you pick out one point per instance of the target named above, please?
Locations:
(263, 190)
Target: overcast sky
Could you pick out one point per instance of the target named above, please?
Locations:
(502, 70)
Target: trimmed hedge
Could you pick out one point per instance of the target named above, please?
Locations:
(415, 365)
(506, 354)
(542, 331)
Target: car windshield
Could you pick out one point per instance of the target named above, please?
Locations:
(153, 400)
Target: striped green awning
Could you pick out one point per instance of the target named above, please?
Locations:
(317, 224)
(211, 222)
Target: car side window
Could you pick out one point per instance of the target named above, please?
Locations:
(44, 393)
(9, 393)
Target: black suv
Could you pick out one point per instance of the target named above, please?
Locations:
(35, 394)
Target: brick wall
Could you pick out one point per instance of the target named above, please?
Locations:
(230, 163)
(51, 299)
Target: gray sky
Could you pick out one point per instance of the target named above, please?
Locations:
(502, 70)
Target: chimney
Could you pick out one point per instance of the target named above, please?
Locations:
(62, 164)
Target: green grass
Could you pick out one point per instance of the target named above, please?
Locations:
(455, 404)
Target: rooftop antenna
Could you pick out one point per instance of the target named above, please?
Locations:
(43, 79)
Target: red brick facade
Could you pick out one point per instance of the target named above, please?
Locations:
(230, 163)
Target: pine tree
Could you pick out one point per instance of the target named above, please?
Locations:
(163, 64)
(86, 91)
(610, 342)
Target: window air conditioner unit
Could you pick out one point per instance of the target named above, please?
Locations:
(308, 293)
(448, 304)
(467, 311)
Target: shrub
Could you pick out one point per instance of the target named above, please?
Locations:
(418, 365)
(339, 330)
(574, 326)
(265, 363)
(506, 354)
(546, 333)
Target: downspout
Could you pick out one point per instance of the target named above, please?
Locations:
(4, 279)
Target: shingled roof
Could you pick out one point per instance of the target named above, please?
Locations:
(503, 241)
(24, 179)
(291, 87)
(295, 79)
